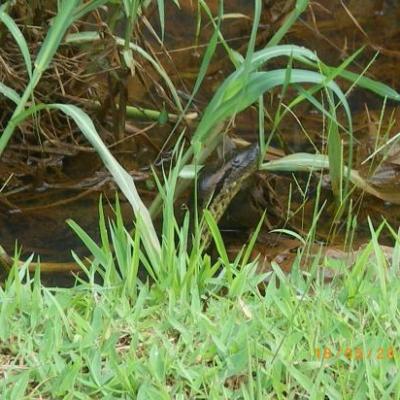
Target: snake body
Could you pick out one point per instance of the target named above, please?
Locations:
(216, 189)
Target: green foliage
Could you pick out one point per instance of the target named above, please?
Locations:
(181, 337)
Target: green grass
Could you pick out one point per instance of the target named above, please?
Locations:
(193, 334)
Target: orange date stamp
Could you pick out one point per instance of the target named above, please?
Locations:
(355, 353)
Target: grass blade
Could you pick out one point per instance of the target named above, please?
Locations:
(19, 39)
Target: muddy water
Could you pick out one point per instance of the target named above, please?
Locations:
(33, 209)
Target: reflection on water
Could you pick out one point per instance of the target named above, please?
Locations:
(335, 31)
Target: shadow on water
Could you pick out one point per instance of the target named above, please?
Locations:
(37, 201)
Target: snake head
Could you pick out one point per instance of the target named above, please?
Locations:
(229, 177)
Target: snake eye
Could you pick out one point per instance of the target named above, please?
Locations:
(236, 162)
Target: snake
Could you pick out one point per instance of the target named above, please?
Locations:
(217, 188)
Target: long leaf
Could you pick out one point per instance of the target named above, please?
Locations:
(122, 178)
(259, 83)
(9, 93)
(19, 39)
